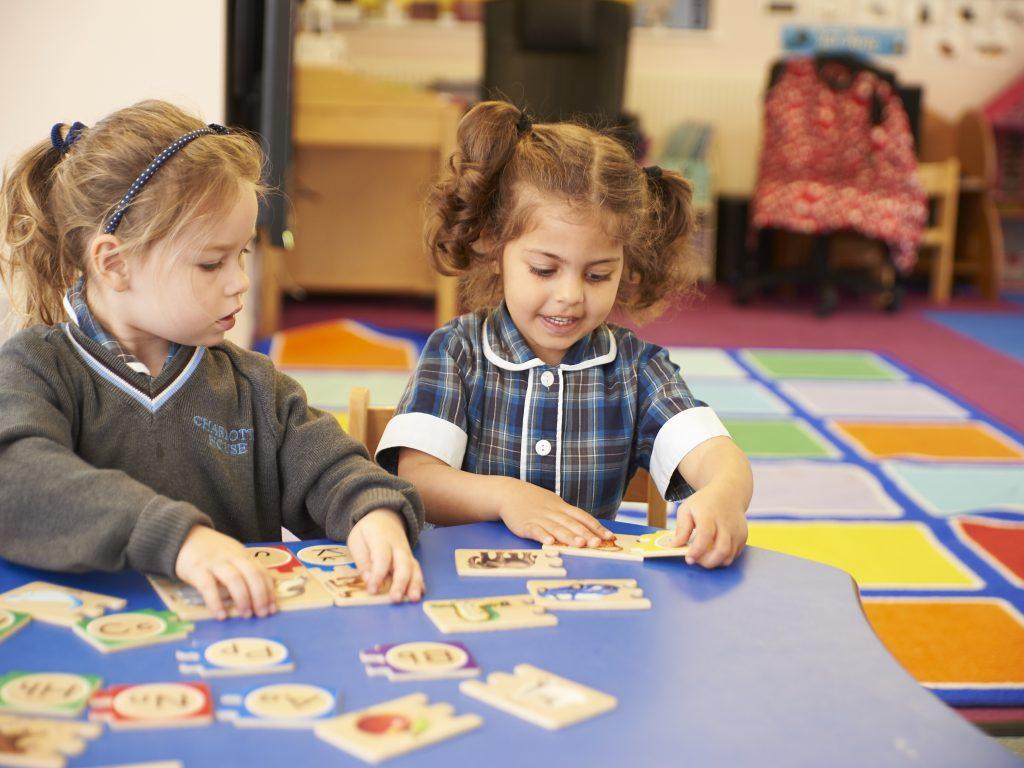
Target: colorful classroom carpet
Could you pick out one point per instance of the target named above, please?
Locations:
(858, 463)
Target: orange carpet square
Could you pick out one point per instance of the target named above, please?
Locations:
(962, 441)
(342, 344)
(949, 642)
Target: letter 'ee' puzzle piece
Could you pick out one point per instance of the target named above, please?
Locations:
(59, 605)
(423, 660)
(285, 705)
(52, 694)
(236, 656)
(134, 629)
(540, 697)
(619, 548)
(507, 562)
(657, 544)
(588, 594)
(394, 727)
(38, 743)
(153, 705)
(487, 614)
(11, 622)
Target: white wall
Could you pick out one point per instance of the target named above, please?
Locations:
(67, 60)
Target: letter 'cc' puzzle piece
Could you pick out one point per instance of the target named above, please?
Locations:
(424, 660)
(540, 697)
(588, 594)
(394, 727)
(487, 614)
(153, 705)
(507, 562)
(285, 705)
(134, 629)
(236, 656)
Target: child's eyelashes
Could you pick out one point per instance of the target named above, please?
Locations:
(541, 272)
(213, 266)
(591, 277)
(599, 278)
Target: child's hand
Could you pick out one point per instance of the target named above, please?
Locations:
(718, 522)
(531, 512)
(379, 546)
(208, 559)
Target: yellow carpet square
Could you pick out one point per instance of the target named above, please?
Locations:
(897, 555)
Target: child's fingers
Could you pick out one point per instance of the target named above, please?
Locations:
(417, 586)
(401, 575)
(719, 552)
(380, 566)
(581, 535)
(537, 532)
(228, 575)
(702, 541)
(563, 535)
(360, 554)
(684, 527)
(591, 524)
(261, 593)
(209, 588)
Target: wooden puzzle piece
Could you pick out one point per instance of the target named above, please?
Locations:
(133, 629)
(183, 599)
(487, 614)
(588, 594)
(288, 705)
(12, 622)
(619, 548)
(347, 588)
(507, 562)
(326, 557)
(657, 544)
(157, 764)
(236, 656)
(395, 727)
(540, 697)
(422, 660)
(276, 558)
(53, 694)
(38, 743)
(59, 605)
(153, 705)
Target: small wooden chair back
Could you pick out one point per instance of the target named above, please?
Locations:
(366, 424)
(941, 183)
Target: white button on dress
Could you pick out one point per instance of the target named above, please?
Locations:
(543, 447)
(547, 378)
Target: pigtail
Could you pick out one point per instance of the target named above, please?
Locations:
(661, 266)
(461, 206)
(33, 266)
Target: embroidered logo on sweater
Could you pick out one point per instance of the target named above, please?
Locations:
(230, 442)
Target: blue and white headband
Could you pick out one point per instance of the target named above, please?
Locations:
(153, 167)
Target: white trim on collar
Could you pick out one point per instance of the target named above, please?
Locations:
(492, 356)
(70, 310)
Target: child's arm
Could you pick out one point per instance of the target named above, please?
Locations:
(716, 513)
(328, 477)
(453, 496)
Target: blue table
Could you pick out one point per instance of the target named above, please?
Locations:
(767, 663)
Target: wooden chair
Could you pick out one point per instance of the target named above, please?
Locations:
(366, 423)
(941, 183)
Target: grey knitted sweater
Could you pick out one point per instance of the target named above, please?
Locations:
(102, 467)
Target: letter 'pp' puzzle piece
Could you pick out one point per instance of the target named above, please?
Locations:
(236, 656)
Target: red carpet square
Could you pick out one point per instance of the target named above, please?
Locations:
(999, 542)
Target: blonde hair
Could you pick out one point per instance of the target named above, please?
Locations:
(51, 206)
(491, 189)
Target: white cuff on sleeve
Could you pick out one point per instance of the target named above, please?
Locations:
(430, 434)
(677, 437)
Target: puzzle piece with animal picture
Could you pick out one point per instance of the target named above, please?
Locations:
(619, 548)
(40, 743)
(540, 697)
(487, 614)
(236, 656)
(284, 705)
(56, 604)
(516, 563)
(346, 587)
(588, 594)
(153, 705)
(395, 727)
(420, 660)
(133, 629)
(50, 694)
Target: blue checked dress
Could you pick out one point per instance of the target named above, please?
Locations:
(481, 401)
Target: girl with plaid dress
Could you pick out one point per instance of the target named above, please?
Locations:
(532, 408)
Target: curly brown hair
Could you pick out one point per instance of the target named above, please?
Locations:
(485, 197)
(52, 206)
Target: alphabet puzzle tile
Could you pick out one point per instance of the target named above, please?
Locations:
(347, 588)
(12, 622)
(133, 629)
(588, 594)
(395, 727)
(658, 544)
(153, 705)
(487, 614)
(236, 656)
(29, 741)
(276, 557)
(59, 605)
(421, 660)
(52, 694)
(540, 697)
(285, 705)
(619, 548)
(326, 557)
(507, 562)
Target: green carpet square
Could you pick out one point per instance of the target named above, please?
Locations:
(824, 364)
(786, 439)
